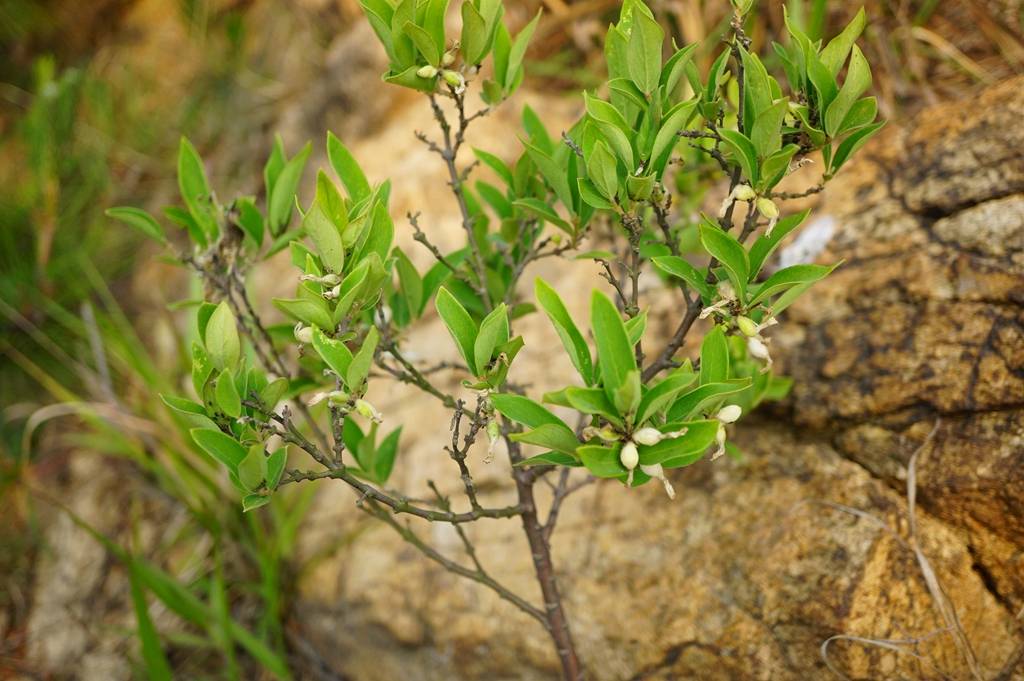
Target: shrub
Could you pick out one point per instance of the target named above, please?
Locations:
(635, 414)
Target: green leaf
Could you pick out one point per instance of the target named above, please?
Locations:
(644, 56)
(627, 396)
(550, 459)
(757, 89)
(157, 667)
(221, 338)
(665, 140)
(689, 405)
(460, 324)
(601, 461)
(359, 367)
(474, 34)
(273, 392)
(202, 368)
(550, 436)
(379, 13)
(776, 167)
(679, 267)
(789, 277)
(824, 82)
(541, 210)
(495, 164)
(410, 78)
(851, 144)
(614, 352)
(743, 151)
(565, 327)
(524, 410)
(699, 436)
(602, 171)
(591, 195)
(858, 79)
(765, 246)
(282, 198)
(714, 357)
(347, 169)
(384, 457)
(409, 281)
(433, 21)
(140, 220)
(275, 467)
(493, 333)
(221, 447)
(513, 70)
(251, 502)
(554, 173)
(185, 406)
(430, 50)
(227, 395)
(305, 310)
(727, 250)
(252, 467)
(834, 54)
(250, 220)
(674, 68)
(662, 394)
(324, 231)
(334, 353)
(591, 401)
(766, 135)
(195, 190)
(628, 89)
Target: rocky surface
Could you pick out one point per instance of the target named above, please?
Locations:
(925, 323)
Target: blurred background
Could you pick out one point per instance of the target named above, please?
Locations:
(94, 97)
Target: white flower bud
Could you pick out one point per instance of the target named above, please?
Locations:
(365, 409)
(303, 334)
(741, 192)
(334, 397)
(448, 59)
(427, 72)
(768, 209)
(757, 348)
(656, 471)
(493, 435)
(747, 326)
(648, 436)
(629, 457)
(720, 439)
(333, 293)
(729, 414)
(455, 80)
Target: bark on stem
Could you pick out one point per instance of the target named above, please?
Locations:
(556, 622)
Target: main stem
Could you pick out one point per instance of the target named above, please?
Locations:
(556, 622)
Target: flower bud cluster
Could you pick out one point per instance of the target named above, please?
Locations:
(629, 455)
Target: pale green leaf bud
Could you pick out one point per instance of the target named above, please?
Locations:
(747, 326)
(366, 410)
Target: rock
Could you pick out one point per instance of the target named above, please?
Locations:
(760, 562)
(924, 322)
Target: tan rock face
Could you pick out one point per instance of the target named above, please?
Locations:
(759, 562)
(925, 322)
